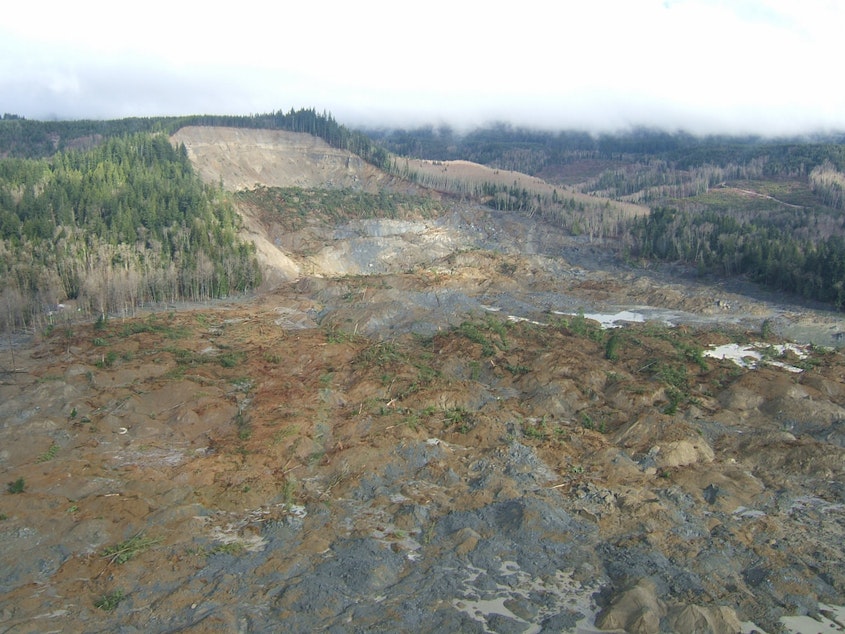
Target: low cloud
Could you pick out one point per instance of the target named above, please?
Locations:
(698, 65)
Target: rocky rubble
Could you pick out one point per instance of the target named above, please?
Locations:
(505, 477)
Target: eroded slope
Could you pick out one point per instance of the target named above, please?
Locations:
(244, 158)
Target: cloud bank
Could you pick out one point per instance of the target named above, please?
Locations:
(730, 66)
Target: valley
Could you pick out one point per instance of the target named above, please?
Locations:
(420, 423)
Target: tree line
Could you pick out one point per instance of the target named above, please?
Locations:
(23, 138)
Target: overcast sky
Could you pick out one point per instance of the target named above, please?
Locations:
(734, 66)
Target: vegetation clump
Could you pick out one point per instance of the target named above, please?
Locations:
(49, 454)
(110, 600)
(16, 486)
(126, 550)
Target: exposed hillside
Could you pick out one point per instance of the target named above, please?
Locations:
(492, 184)
(353, 231)
(242, 158)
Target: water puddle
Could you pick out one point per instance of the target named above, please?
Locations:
(569, 596)
(611, 320)
(754, 355)
(831, 619)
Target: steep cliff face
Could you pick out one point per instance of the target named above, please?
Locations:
(242, 158)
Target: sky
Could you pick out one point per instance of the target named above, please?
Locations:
(768, 67)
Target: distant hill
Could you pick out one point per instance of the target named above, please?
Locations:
(772, 210)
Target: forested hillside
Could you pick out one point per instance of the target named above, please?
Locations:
(124, 222)
(772, 210)
(109, 214)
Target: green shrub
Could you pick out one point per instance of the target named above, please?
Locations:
(109, 601)
(16, 486)
(611, 348)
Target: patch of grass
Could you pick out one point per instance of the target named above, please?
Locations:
(102, 322)
(175, 374)
(243, 384)
(289, 491)
(16, 486)
(126, 550)
(474, 370)
(272, 357)
(490, 335)
(153, 325)
(676, 398)
(677, 382)
(231, 359)
(232, 548)
(459, 418)
(691, 351)
(380, 354)
(284, 433)
(243, 426)
(673, 375)
(518, 370)
(109, 601)
(50, 377)
(426, 374)
(611, 347)
(472, 332)
(613, 378)
(412, 420)
(49, 454)
(537, 432)
(188, 357)
(336, 335)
